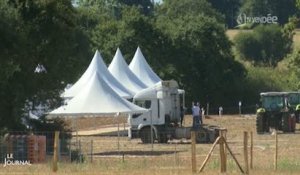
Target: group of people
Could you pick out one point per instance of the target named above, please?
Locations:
(196, 112)
(197, 115)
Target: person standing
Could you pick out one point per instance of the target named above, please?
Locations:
(196, 115)
(220, 111)
(181, 114)
(200, 114)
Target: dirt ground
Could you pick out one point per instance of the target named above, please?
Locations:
(119, 155)
(263, 146)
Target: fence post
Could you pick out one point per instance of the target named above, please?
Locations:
(251, 150)
(276, 150)
(55, 151)
(222, 152)
(246, 152)
(92, 151)
(70, 150)
(193, 137)
(207, 109)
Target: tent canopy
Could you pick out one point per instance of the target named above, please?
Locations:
(142, 70)
(97, 65)
(97, 98)
(119, 69)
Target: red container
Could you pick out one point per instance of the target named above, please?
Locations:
(32, 148)
(41, 148)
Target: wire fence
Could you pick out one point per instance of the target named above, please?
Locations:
(37, 147)
(214, 110)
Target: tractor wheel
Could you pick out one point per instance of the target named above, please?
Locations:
(297, 116)
(145, 135)
(293, 123)
(285, 123)
(260, 124)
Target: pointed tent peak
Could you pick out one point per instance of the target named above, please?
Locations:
(97, 60)
(138, 48)
(118, 57)
(98, 57)
(97, 54)
(120, 70)
(142, 69)
(118, 54)
(97, 65)
(118, 49)
(138, 53)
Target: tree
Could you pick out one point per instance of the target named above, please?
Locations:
(49, 37)
(283, 9)
(229, 8)
(133, 29)
(145, 5)
(266, 45)
(202, 54)
(11, 46)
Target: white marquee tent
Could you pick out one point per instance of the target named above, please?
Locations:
(97, 65)
(97, 98)
(119, 69)
(142, 70)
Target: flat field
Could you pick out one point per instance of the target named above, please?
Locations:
(118, 155)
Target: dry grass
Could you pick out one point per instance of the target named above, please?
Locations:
(175, 157)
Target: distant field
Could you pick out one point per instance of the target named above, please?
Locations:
(175, 157)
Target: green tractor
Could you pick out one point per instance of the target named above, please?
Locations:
(275, 112)
(294, 104)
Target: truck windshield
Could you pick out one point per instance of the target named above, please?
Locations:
(273, 102)
(143, 103)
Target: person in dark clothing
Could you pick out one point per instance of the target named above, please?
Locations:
(181, 114)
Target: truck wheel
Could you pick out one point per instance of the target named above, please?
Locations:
(162, 138)
(285, 123)
(145, 135)
(201, 136)
(260, 124)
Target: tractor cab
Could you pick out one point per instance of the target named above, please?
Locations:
(274, 101)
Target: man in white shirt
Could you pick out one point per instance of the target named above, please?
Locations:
(196, 115)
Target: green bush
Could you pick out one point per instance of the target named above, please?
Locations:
(265, 45)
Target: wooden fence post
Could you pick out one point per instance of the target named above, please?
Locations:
(92, 146)
(193, 137)
(222, 152)
(246, 152)
(251, 150)
(209, 154)
(55, 151)
(276, 151)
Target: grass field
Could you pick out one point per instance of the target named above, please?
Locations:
(175, 157)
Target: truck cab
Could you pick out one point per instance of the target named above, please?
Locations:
(163, 101)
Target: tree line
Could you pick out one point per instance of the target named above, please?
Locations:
(182, 40)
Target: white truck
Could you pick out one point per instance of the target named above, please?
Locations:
(165, 103)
